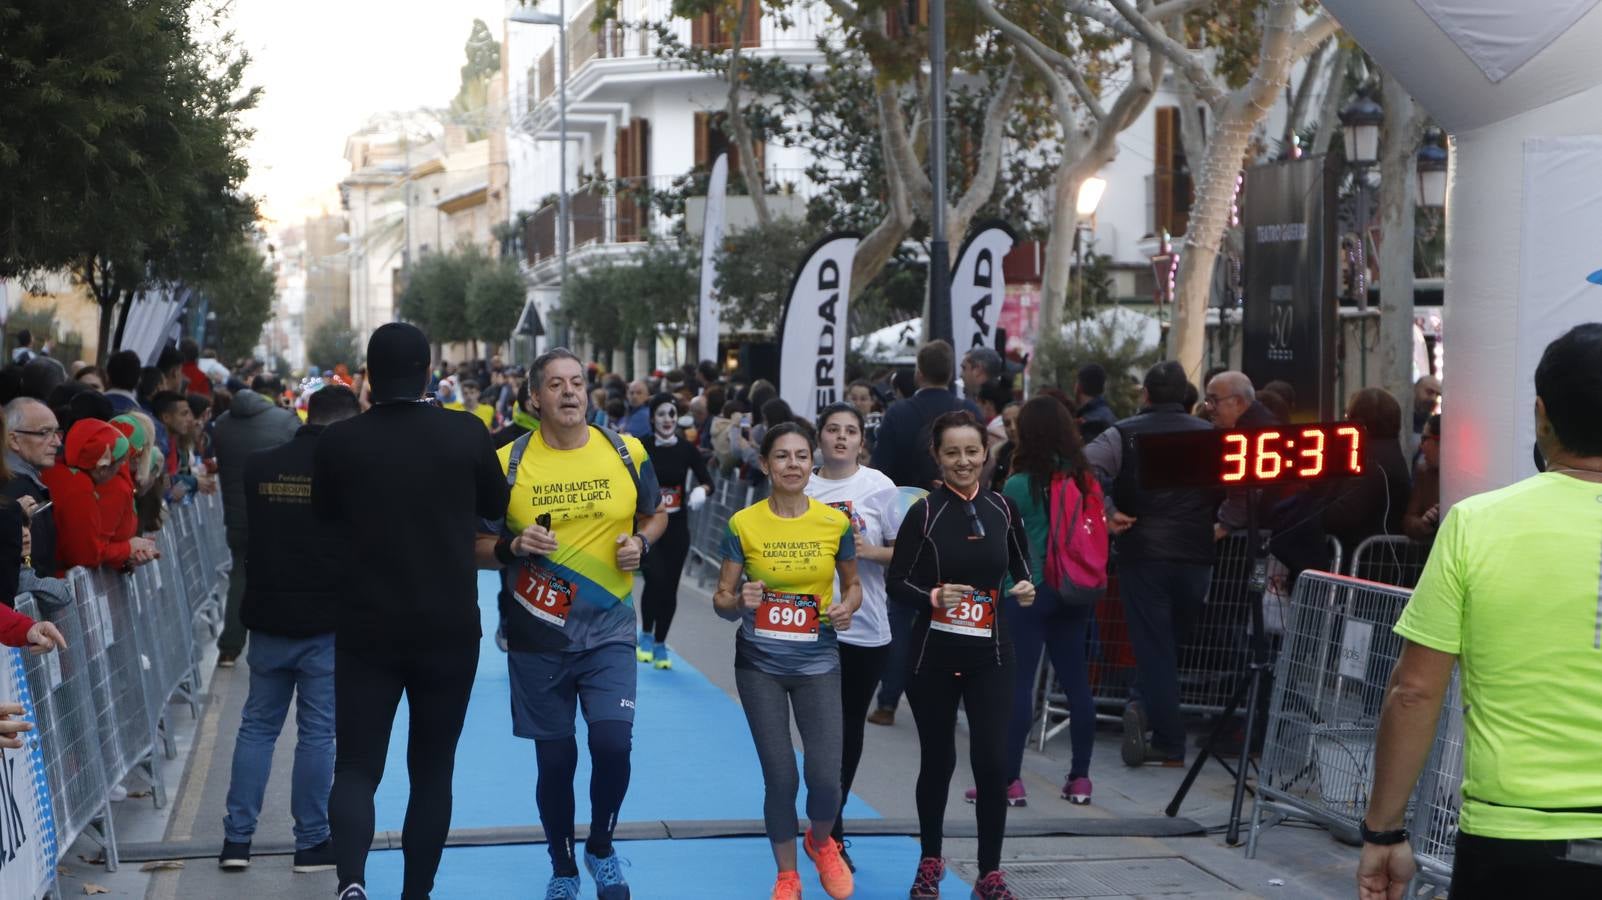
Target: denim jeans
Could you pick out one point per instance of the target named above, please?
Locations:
(1162, 601)
(1060, 630)
(281, 668)
(894, 680)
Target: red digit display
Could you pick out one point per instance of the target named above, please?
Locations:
(1354, 436)
(1235, 460)
(1266, 456)
(1314, 455)
(1301, 454)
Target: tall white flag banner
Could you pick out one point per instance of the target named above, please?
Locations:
(812, 337)
(978, 287)
(27, 821)
(711, 240)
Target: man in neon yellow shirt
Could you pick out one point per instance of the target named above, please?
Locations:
(1512, 595)
(469, 403)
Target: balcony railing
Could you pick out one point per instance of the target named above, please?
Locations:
(622, 211)
(628, 37)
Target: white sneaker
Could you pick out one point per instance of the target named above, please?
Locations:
(118, 793)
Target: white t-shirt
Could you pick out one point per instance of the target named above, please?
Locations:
(873, 507)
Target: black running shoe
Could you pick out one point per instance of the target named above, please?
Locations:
(235, 855)
(315, 859)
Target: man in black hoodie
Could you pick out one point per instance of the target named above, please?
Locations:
(296, 571)
(253, 422)
(406, 484)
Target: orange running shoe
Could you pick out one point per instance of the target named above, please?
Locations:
(788, 886)
(832, 870)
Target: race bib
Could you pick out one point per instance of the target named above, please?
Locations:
(545, 596)
(974, 615)
(672, 499)
(788, 617)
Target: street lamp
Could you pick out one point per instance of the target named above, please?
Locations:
(1432, 174)
(526, 16)
(1090, 193)
(1360, 125)
(1360, 121)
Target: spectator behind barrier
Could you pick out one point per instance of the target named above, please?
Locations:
(195, 381)
(1373, 503)
(122, 381)
(81, 532)
(296, 572)
(253, 423)
(902, 450)
(1423, 514)
(92, 377)
(1509, 599)
(32, 440)
(1091, 412)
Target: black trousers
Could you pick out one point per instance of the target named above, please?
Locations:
(1495, 868)
(860, 669)
(986, 696)
(437, 681)
(659, 599)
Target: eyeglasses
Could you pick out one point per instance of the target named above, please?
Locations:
(42, 432)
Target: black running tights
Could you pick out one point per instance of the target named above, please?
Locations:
(860, 669)
(659, 599)
(610, 743)
(437, 681)
(985, 694)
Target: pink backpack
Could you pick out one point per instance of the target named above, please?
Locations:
(1076, 541)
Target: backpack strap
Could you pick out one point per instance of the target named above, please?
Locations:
(622, 449)
(516, 460)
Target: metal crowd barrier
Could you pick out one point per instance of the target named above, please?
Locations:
(728, 496)
(1390, 559)
(133, 651)
(1209, 662)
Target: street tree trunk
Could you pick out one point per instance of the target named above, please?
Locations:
(1400, 136)
(755, 179)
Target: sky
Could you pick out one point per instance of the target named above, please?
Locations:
(326, 67)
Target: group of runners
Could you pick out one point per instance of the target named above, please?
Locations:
(573, 510)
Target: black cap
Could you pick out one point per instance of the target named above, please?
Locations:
(397, 362)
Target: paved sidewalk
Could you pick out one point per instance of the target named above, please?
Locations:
(1293, 862)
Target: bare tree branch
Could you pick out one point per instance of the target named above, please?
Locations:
(1173, 9)
(994, 135)
(900, 159)
(1312, 35)
(1054, 65)
(1329, 106)
(1302, 96)
(1188, 63)
(1097, 14)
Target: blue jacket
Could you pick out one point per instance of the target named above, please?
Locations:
(902, 449)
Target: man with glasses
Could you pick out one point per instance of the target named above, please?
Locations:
(32, 440)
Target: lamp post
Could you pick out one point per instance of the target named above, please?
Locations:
(533, 17)
(1432, 173)
(1090, 193)
(939, 325)
(1360, 126)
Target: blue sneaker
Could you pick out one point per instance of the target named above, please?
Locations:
(608, 875)
(663, 659)
(644, 647)
(562, 887)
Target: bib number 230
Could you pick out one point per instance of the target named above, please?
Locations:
(974, 615)
(788, 617)
(545, 596)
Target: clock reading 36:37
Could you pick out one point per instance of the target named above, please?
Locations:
(1287, 454)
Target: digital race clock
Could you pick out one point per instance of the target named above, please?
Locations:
(1292, 454)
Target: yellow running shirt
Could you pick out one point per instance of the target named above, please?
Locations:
(483, 411)
(1513, 588)
(592, 501)
(795, 560)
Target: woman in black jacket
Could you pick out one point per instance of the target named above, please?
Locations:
(956, 553)
(1373, 503)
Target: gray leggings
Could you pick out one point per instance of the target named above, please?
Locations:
(768, 700)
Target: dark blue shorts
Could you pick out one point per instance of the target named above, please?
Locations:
(547, 688)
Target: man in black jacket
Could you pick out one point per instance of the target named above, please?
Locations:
(1093, 415)
(902, 452)
(407, 485)
(296, 568)
(1165, 558)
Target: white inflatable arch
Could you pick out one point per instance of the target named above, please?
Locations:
(1518, 87)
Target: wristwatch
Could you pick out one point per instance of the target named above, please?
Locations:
(1381, 838)
(645, 543)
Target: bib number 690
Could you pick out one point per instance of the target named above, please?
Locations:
(787, 615)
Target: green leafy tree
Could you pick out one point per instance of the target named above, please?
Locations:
(435, 298)
(124, 162)
(496, 295)
(613, 304)
(240, 289)
(755, 268)
(331, 344)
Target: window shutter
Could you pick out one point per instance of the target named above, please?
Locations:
(1163, 164)
(702, 123)
(752, 35)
